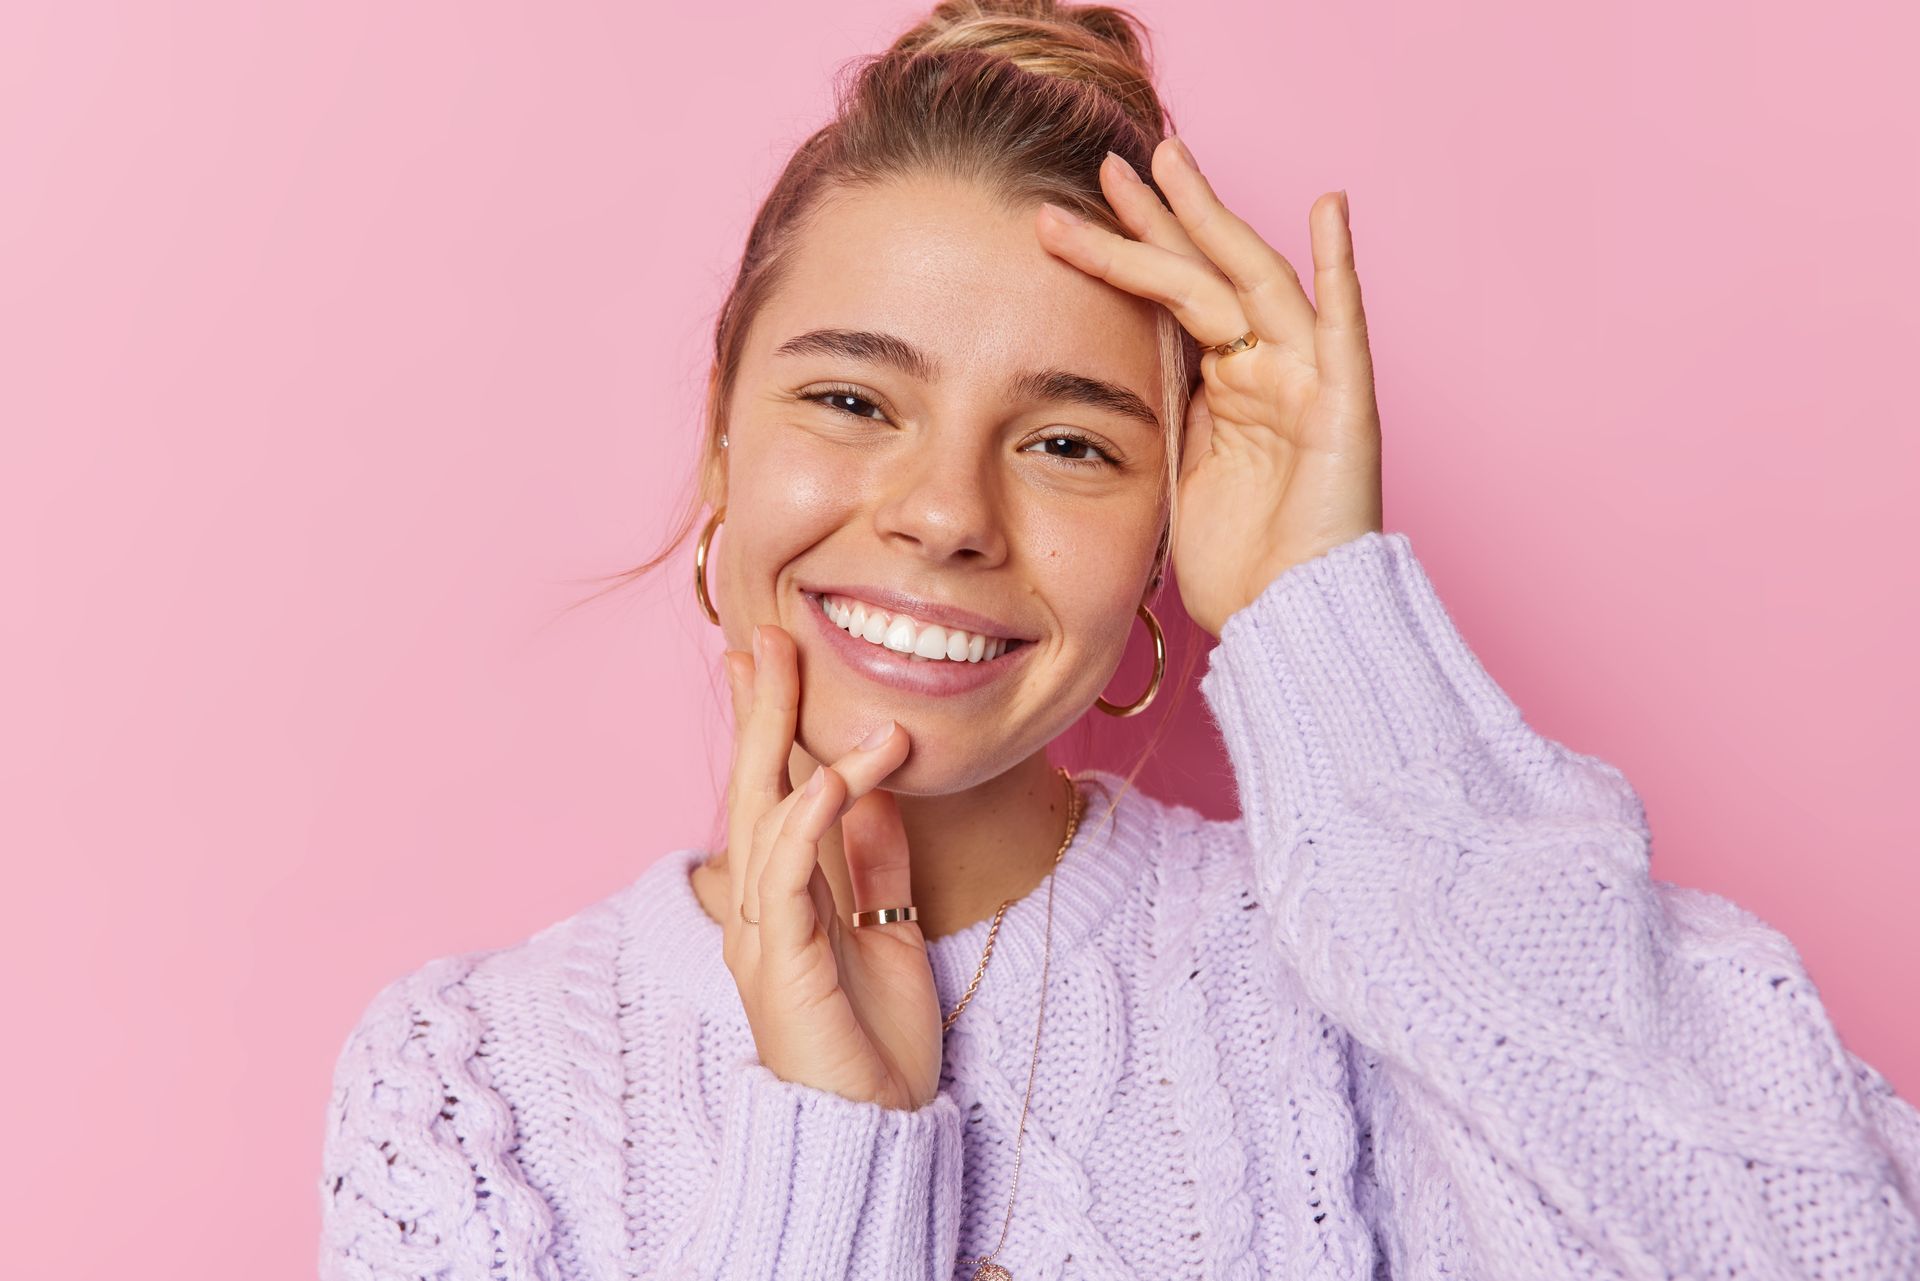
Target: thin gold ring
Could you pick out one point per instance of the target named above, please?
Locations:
(743, 915)
(1245, 342)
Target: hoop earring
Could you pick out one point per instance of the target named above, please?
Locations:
(1159, 670)
(700, 565)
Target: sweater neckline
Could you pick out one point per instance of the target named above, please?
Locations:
(1109, 855)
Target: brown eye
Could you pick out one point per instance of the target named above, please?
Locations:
(848, 403)
(1080, 451)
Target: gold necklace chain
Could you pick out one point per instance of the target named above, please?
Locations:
(988, 1270)
(1073, 822)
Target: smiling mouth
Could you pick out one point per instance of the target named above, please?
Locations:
(906, 637)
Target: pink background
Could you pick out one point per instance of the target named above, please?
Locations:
(342, 342)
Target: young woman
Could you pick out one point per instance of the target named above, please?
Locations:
(997, 357)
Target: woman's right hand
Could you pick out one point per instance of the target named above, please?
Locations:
(852, 1011)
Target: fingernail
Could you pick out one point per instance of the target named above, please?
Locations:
(1345, 217)
(1066, 216)
(1122, 167)
(759, 650)
(879, 736)
(1185, 155)
(818, 780)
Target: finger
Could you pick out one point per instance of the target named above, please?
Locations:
(1196, 438)
(1266, 283)
(739, 672)
(1199, 297)
(824, 906)
(765, 782)
(760, 772)
(859, 770)
(1341, 331)
(787, 917)
(740, 686)
(880, 754)
(878, 864)
(770, 725)
(738, 668)
(1140, 209)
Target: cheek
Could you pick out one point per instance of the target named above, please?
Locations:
(799, 482)
(1125, 560)
(780, 502)
(1092, 569)
(1092, 553)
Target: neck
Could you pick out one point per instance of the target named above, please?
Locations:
(971, 850)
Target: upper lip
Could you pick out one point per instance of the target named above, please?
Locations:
(921, 608)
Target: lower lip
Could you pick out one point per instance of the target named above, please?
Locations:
(927, 676)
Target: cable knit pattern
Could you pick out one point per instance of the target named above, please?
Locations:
(1420, 1012)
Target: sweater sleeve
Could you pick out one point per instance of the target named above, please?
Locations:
(814, 1185)
(417, 1179)
(1561, 1066)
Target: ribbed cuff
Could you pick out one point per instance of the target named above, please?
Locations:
(1342, 673)
(814, 1185)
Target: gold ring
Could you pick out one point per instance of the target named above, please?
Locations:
(886, 915)
(743, 915)
(1244, 342)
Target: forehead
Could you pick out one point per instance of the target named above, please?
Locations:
(938, 262)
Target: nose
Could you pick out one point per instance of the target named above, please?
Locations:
(945, 508)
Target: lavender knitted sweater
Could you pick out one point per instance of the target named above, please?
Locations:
(1420, 1012)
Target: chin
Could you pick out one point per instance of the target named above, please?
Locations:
(929, 770)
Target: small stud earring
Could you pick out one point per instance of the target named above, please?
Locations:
(723, 440)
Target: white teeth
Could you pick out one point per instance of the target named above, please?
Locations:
(931, 642)
(899, 632)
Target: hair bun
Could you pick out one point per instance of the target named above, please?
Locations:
(1095, 44)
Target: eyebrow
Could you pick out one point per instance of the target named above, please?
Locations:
(1037, 384)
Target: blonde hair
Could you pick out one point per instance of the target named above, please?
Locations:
(1023, 97)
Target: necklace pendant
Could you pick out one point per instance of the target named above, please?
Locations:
(991, 1271)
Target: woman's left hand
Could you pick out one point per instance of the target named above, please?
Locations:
(1281, 453)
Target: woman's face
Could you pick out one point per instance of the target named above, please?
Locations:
(933, 411)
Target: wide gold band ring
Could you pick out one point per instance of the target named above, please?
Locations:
(1244, 342)
(886, 915)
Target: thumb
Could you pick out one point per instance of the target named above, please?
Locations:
(875, 843)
